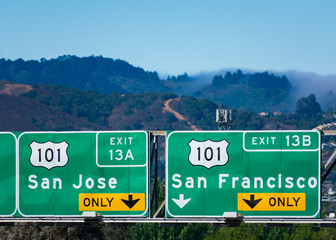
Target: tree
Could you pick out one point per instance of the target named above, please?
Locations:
(308, 106)
(218, 81)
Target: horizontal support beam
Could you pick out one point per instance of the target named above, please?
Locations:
(220, 221)
(159, 133)
(329, 132)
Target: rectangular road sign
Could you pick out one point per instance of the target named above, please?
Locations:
(255, 173)
(8, 174)
(66, 173)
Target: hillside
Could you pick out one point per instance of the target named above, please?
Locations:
(39, 107)
(259, 92)
(184, 84)
(47, 107)
(104, 75)
(102, 93)
(19, 113)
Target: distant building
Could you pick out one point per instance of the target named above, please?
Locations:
(263, 114)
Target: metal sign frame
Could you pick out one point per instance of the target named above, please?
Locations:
(83, 221)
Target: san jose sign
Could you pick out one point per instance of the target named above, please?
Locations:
(254, 173)
(64, 174)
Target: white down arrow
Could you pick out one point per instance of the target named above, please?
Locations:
(181, 202)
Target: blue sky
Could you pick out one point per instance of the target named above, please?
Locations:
(176, 36)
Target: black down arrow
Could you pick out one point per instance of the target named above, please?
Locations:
(252, 203)
(130, 202)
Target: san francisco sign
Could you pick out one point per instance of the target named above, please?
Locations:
(254, 173)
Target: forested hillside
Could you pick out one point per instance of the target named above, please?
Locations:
(37, 107)
(259, 92)
(104, 75)
(48, 107)
(60, 108)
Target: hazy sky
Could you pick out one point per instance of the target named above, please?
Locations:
(176, 36)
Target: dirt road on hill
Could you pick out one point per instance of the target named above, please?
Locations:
(178, 115)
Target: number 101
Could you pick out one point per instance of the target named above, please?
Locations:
(209, 154)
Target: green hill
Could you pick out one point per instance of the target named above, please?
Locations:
(104, 75)
(259, 92)
(47, 107)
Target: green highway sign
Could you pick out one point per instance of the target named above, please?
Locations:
(254, 173)
(8, 174)
(68, 173)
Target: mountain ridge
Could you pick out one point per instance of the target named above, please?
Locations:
(100, 74)
(106, 75)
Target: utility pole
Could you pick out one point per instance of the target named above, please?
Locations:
(224, 119)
